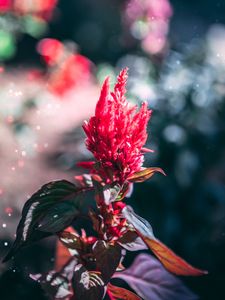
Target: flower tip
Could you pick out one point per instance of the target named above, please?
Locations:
(121, 81)
(101, 104)
(123, 75)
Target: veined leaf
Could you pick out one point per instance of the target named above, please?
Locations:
(144, 174)
(169, 259)
(87, 284)
(108, 257)
(49, 210)
(132, 242)
(118, 293)
(149, 279)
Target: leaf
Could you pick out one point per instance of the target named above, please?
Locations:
(126, 191)
(169, 259)
(144, 174)
(57, 285)
(131, 241)
(70, 240)
(108, 257)
(62, 255)
(141, 225)
(106, 193)
(119, 293)
(87, 285)
(148, 278)
(98, 222)
(60, 198)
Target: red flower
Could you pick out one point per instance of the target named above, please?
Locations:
(5, 5)
(117, 133)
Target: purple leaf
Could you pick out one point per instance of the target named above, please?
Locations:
(148, 278)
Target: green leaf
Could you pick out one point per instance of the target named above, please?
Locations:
(108, 257)
(58, 217)
(61, 198)
(144, 174)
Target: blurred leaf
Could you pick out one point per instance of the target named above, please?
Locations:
(108, 257)
(148, 278)
(62, 255)
(169, 259)
(7, 45)
(57, 285)
(118, 293)
(34, 26)
(144, 174)
(58, 198)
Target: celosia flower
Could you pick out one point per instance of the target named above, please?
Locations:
(117, 133)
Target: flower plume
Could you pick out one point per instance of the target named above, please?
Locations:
(117, 132)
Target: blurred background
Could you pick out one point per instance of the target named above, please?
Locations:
(54, 56)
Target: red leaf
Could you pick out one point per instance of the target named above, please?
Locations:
(118, 293)
(62, 256)
(170, 260)
(144, 174)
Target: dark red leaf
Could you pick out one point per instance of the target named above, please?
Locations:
(170, 260)
(144, 174)
(108, 257)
